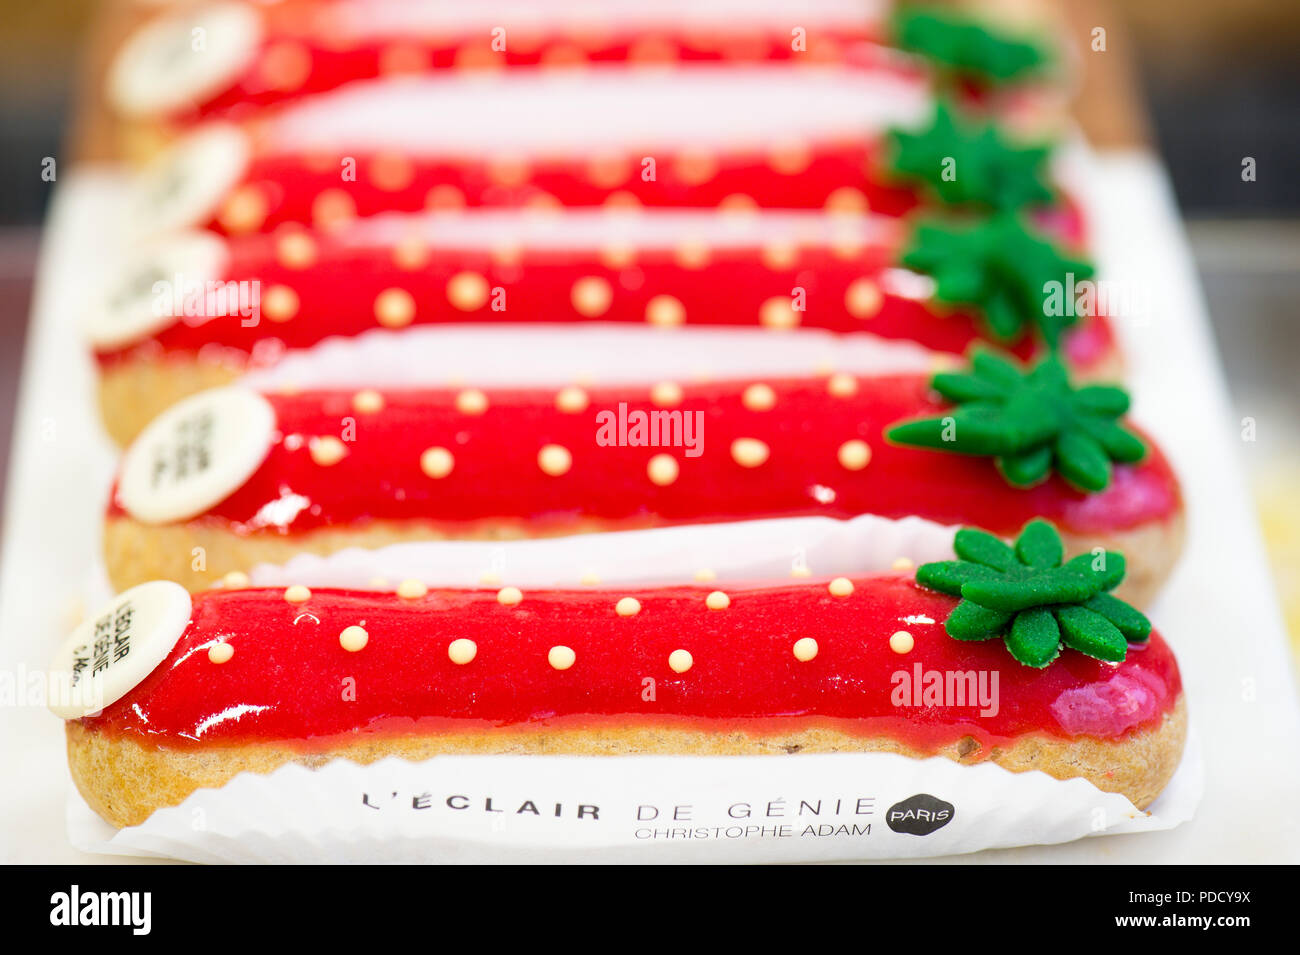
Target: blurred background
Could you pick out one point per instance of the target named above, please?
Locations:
(1205, 83)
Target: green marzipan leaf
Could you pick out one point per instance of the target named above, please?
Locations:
(1091, 633)
(1104, 400)
(970, 621)
(1118, 442)
(1082, 462)
(981, 547)
(947, 576)
(1131, 622)
(974, 429)
(1039, 546)
(1107, 568)
(1049, 374)
(995, 370)
(1060, 585)
(1027, 422)
(962, 388)
(1034, 639)
(1002, 315)
(1028, 469)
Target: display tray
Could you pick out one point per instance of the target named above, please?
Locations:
(1218, 611)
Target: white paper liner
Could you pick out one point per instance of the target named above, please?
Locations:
(540, 355)
(602, 109)
(769, 549)
(475, 809)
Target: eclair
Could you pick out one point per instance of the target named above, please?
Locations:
(843, 141)
(235, 477)
(199, 310)
(233, 681)
(257, 56)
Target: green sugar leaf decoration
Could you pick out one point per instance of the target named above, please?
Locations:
(1026, 595)
(962, 46)
(1029, 421)
(1017, 280)
(968, 163)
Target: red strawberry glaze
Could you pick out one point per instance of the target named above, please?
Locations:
(306, 50)
(284, 187)
(317, 68)
(286, 679)
(287, 185)
(338, 294)
(496, 473)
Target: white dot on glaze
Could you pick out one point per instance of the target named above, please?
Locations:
(462, 651)
(805, 648)
(591, 296)
(297, 594)
(666, 394)
(665, 311)
(411, 589)
(840, 587)
(717, 600)
(679, 661)
(394, 308)
(778, 312)
(749, 452)
(759, 397)
(854, 455)
(627, 607)
(554, 459)
(220, 652)
(841, 385)
(437, 462)
(467, 291)
(368, 401)
(572, 400)
(561, 657)
(901, 642)
(327, 450)
(663, 469)
(353, 638)
(509, 596)
(471, 401)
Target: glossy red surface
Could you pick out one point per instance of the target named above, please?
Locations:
(288, 184)
(289, 676)
(337, 295)
(305, 51)
(497, 475)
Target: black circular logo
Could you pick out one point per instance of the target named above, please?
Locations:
(920, 815)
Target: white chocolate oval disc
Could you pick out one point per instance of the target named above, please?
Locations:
(195, 454)
(159, 285)
(110, 653)
(185, 185)
(180, 59)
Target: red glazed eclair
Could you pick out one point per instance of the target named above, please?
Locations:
(228, 59)
(809, 139)
(269, 55)
(200, 310)
(250, 680)
(232, 478)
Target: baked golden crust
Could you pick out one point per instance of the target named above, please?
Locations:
(134, 392)
(196, 555)
(1150, 551)
(125, 781)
